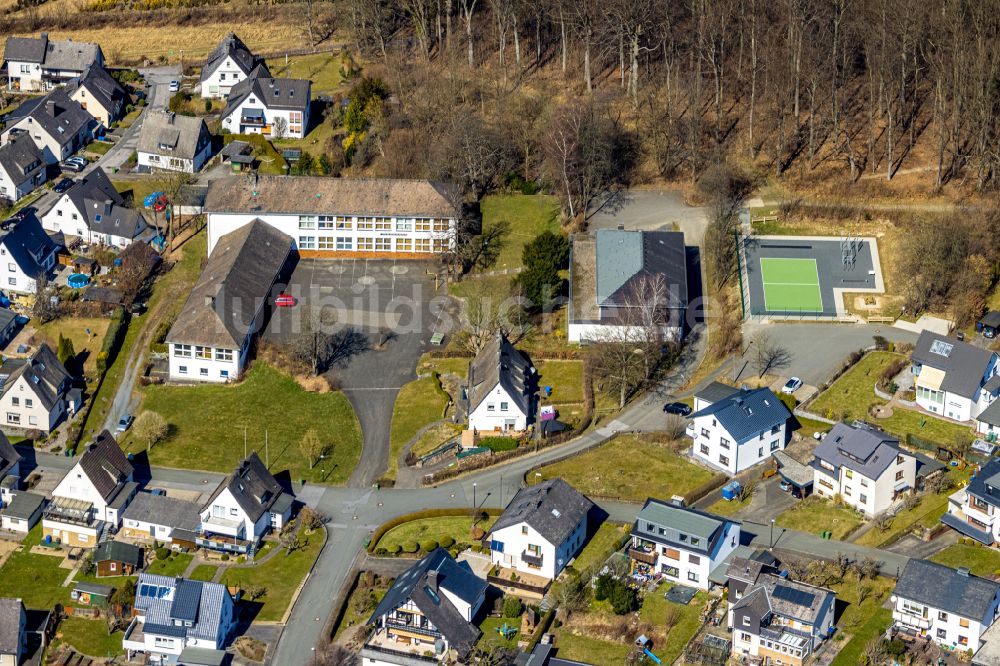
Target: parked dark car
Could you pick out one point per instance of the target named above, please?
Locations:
(63, 185)
(678, 408)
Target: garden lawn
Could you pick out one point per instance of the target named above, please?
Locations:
(173, 566)
(322, 69)
(280, 576)
(203, 572)
(491, 636)
(36, 579)
(723, 507)
(854, 391)
(528, 216)
(861, 621)
(140, 190)
(99, 147)
(85, 345)
(599, 547)
(90, 637)
(654, 607)
(980, 560)
(591, 650)
(360, 604)
(930, 509)
(565, 378)
(434, 437)
(645, 466)
(455, 366)
(418, 404)
(266, 401)
(423, 529)
(815, 514)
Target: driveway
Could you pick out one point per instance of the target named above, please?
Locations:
(652, 210)
(379, 301)
(769, 501)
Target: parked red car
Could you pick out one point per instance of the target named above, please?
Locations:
(285, 301)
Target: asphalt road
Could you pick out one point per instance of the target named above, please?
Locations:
(652, 210)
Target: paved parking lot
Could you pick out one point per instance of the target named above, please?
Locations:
(383, 301)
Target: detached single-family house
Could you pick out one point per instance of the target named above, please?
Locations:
(22, 513)
(36, 392)
(774, 619)
(625, 283)
(713, 393)
(245, 506)
(13, 638)
(540, 531)
(740, 430)
(99, 95)
(10, 471)
(211, 339)
(948, 606)
(168, 520)
(260, 104)
(501, 388)
(173, 143)
(93, 210)
(864, 466)
(682, 544)
(22, 168)
(117, 558)
(26, 253)
(8, 326)
(953, 378)
(171, 614)
(427, 615)
(91, 497)
(228, 64)
(974, 510)
(58, 125)
(39, 63)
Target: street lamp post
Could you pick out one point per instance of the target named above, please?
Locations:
(771, 540)
(473, 504)
(742, 352)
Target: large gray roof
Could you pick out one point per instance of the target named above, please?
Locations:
(21, 159)
(946, 589)
(252, 485)
(162, 510)
(238, 277)
(745, 414)
(673, 524)
(196, 601)
(716, 391)
(499, 363)
(103, 207)
(28, 245)
(269, 93)
(63, 55)
(552, 508)
(44, 373)
(105, 464)
(60, 117)
(101, 86)
(233, 47)
(625, 257)
(8, 456)
(964, 365)
(10, 625)
(172, 135)
(866, 451)
(24, 505)
(986, 484)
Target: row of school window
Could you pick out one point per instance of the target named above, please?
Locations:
(376, 223)
(373, 244)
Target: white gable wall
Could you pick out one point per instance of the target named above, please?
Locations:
(221, 81)
(21, 408)
(498, 411)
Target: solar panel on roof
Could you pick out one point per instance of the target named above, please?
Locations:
(942, 348)
(791, 595)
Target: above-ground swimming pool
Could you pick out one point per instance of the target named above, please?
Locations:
(78, 280)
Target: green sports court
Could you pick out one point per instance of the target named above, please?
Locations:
(791, 285)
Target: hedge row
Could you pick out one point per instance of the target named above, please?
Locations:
(112, 339)
(709, 486)
(419, 515)
(497, 444)
(540, 630)
(546, 355)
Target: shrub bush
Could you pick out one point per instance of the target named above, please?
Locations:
(162, 553)
(225, 557)
(428, 546)
(446, 542)
(418, 515)
(395, 549)
(499, 443)
(512, 607)
(411, 547)
(381, 552)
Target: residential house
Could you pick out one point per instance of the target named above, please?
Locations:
(22, 168)
(171, 142)
(13, 637)
(22, 513)
(158, 518)
(865, 467)
(91, 497)
(340, 217)
(171, 614)
(948, 606)
(26, 253)
(117, 558)
(58, 125)
(99, 94)
(989, 653)
(626, 282)
(211, 338)
(245, 506)
(682, 544)
(228, 64)
(540, 531)
(93, 210)
(429, 610)
(36, 392)
(712, 393)
(776, 620)
(501, 391)
(261, 104)
(196, 656)
(953, 378)
(10, 471)
(8, 326)
(39, 63)
(974, 510)
(741, 430)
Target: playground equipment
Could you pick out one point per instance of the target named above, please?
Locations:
(506, 631)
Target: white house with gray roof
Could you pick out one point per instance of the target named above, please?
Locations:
(99, 94)
(170, 142)
(26, 253)
(13, 639)
(58, 125)
(36, 393)
(93, 210)
(974, 510)
(23, 512)
(953, 378)
(171, 614)
(261, 104)
(865, 467)
(739, 430)
(228, 64)
(541, 530)
(948, 606)
(160, 518)
(623, 283)
(22, 168)
(430, 609)
(39, 63)
(501, 388)
(682, 544)
(10, 471)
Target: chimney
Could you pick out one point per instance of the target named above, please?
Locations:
(209, 301)
(170, 117)
(621, 227)
(432, 580)
(50, 107)
(962, 571)
(107, 206)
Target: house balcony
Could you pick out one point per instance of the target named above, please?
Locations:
(71, 512)
(400, 649)
(910, 620)
(409, 627)
(518, 582)
(645, 555)
(222, 526)
(134, 639)
(531, 559)
(223, 543)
